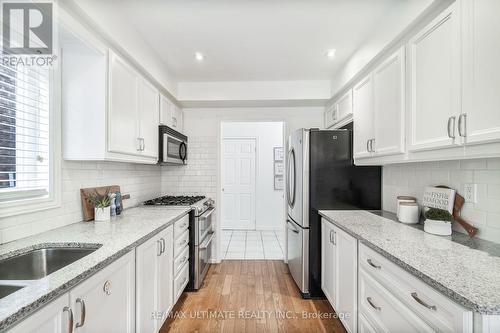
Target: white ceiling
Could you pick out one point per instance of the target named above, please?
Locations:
(250, 40)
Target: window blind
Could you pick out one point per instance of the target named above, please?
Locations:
(24, 132)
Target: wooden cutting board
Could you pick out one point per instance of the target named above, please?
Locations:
(88, 209)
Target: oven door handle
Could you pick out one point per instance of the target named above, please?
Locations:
(207, 242)
(205, 215)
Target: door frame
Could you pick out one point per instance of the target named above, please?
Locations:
(254, 204)
(251, 119)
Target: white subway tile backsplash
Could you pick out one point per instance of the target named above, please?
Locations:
(141, 181)
(412, 178)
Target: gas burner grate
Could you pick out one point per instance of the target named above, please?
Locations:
(174, 200)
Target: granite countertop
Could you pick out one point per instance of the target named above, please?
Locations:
(468, 276)
(115, 238)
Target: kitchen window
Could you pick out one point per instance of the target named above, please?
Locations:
(28, 140)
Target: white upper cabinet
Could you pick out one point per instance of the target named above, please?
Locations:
(389, 99)
(339, 113)
(363, 118)
(123, 131)
(109, 110)
(344, 108)
(435, 83)
(148, 118)
(170, 114)
(480, 121)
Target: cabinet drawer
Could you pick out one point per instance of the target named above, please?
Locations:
(180, 226)
(384, 311)
(440, 312)
(180, 243)
(181, 260)
(181, 281)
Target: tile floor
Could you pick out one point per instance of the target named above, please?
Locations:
(251, 244)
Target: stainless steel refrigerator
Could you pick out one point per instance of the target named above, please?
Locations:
(321, 175)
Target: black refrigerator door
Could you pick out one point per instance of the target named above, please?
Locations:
(335, 183)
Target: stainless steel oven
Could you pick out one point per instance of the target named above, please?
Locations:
(172, 145)
(204, 236)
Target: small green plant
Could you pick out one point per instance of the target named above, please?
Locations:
(100, 200)
(438, 214)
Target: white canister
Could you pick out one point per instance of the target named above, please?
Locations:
(404, 198)
(409, 212)
(102, 214)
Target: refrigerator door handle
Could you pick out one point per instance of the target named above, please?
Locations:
(290, 195)
(290, 226)
(288, 179)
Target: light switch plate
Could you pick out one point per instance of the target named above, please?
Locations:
(470, 193)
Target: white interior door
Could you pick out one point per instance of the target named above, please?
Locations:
(238, 183)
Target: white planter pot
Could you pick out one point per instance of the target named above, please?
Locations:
(102, 214)
(436, 227)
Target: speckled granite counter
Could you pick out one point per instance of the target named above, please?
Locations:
(122, 234)
(470, 277)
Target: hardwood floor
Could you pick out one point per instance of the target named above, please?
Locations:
(250, 296)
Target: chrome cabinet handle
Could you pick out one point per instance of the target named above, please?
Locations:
(70, 321)
(107, 287)
(84, 312)
(370, 262)
(143, 144)
(140, 144)
(450, 126)
(419, 301)
(368, 146)
(372, 144)
(158, 253)
(370, 301)
(462, 120)
(163, 242)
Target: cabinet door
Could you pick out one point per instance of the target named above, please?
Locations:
(106, 301)
(346, 276)
(165, 115)
(52, 318)
(329, 116)
(123, 131)
(481, 71)
(363, 117)
(148, 315)
(328, 262)
(435, 83)
(389, 92)
(344, 106)
(175, 117)
(148, 118)
(165, 273)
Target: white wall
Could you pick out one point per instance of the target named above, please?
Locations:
(140, 181)
(269, 203)
(254, 90)
(412, 178)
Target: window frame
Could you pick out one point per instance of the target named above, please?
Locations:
(24, 202)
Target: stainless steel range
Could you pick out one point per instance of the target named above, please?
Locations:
(201, 233)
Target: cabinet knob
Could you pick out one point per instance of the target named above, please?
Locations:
(107, 287)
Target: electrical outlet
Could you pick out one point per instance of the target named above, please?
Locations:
(470, 193)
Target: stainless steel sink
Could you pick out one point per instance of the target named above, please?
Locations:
(7, 290)
(37, 264)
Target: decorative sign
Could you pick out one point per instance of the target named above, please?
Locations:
(278, 154)
(442, 198)
(278, 183)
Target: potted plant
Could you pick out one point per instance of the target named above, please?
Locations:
(438, 222)
(101, 203)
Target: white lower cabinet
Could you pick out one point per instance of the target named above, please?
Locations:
(181, 256)
(54, 317)
(384, 311)
(372, 294)
(154, 281)
(103, 303)
(106, 301)
(339, 273)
